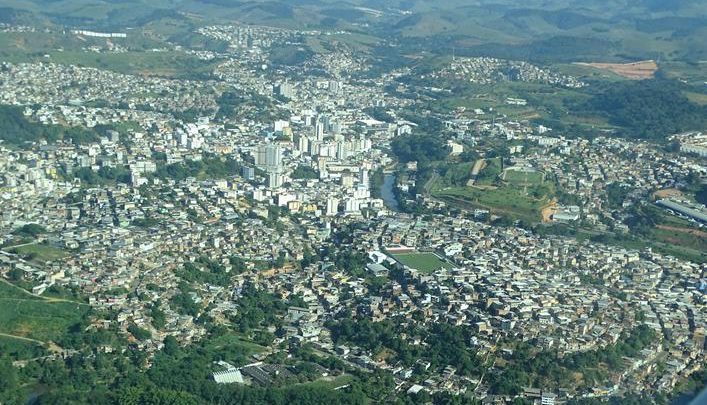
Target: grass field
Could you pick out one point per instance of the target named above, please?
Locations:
(331, 382)
(9, 291)
(424, 262)
(491, 171)
(677, 237)
(39, 252)
(234, 347)
(518, 177)
(168, 64)
(24, 315)
(681, 239)
(697, 98)
(507, 201)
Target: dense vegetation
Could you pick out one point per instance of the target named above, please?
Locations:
(420, 148)
(30, 230)
(647, 109)
(16, 129)
(305, 172)
(701, 194)
(212, 167)
(178, 376)
(531, 368)
(205, 271)
(104, 175)
(446, 343)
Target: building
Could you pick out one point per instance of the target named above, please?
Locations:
(269, 157)
(248, 173)
(695, 214)
(229, 376)
(285, 90)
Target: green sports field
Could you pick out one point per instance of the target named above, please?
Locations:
(424, 262)
(522, 177)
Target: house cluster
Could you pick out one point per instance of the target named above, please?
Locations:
(484, 70)
(178, 181)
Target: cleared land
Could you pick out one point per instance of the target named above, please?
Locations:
(635, 71)
(506, 201)
(515, 194)
(26, 316)
(38, 252)
(523, 177)
(424, 262)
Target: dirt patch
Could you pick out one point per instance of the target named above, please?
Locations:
(549, 210)
(635, 71)
(694, 232)
(667, 193)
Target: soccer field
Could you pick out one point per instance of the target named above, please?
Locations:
(523, 177)
(425, 262)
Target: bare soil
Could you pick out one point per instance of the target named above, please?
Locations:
(635, 71)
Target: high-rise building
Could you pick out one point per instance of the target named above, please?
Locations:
(341, 150)
(275, 179)
(332, 206)
(334, 86)
(301, 143)
(280, 125)
(363, 176)
(319, 131)
(285, 89)
(269, 157)
(248, 173)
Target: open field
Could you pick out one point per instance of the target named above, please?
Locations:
(670, 236)
(522, 177)
(694, 74)
(39, 252)
(697, 98)
(509, 201)
(489, 171)
(677, 236)
(139, 59)
(235, 343)
(26, 316)
(636, 71)
(331, 382)
(424, 262)
(10, 291)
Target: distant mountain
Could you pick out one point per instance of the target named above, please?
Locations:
(636, 29)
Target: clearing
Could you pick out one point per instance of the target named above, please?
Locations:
(635, 71)
(24, 315)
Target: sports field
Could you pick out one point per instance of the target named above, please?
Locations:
(523, 177)
(424, 262)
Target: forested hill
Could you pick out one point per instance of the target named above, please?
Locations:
(649, 109)
(16, 129)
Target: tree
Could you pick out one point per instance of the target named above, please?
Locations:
(31, 230)
(648, 109)
(171, 346)
(8, 375)
(305, 172)
(138, 332)
(15, 274)
(701, 195)
(420, 148)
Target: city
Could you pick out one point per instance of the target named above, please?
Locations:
(308, 220)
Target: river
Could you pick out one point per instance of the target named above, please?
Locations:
(387, 192)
